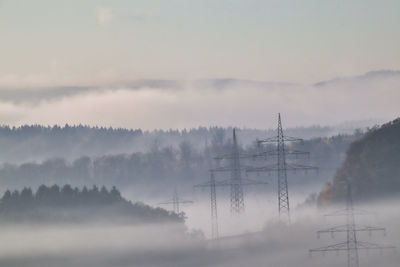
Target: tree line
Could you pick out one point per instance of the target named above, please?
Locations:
(371, 166)
(163, 165)
(38, 143)
(71, 204)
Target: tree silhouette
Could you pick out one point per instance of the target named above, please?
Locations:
(52, 204)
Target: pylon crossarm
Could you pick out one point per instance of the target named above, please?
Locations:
(275, 153)
(368, 245)
(292, 139)
(275, 168)
(343, 229)
(232, 156)
(267, 140)
(295, 167)
(276, 139)
(262, 168)
(290, 152)
(371, 229)
(344, 247)
(335, 247)
(345, 212)
(229, 169)
(242, 182)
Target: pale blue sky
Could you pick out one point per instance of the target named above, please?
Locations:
(295, 41)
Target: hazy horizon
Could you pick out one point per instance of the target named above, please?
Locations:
(160, 104)
(181, 64)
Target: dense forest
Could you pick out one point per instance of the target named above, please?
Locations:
(52, 204)
(167, 165)
(38, 143)
(372, 166)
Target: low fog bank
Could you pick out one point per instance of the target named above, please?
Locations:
(149, 106)
(172, 104)
(91, 244)
(273, 244)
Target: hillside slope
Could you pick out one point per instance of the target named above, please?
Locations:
(54, 204)
(372, 166)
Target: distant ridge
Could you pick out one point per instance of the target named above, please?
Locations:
(227, 83)
(38, 94)
(372, 75)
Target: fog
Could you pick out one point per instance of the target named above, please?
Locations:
(181, 159)
(161, 104)
(118, 119)
(254, 239)
(146, 166)
(258, 241)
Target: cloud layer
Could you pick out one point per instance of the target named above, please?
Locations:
(152, 104)
(157, 245)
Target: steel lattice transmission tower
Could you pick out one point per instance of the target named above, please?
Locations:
(236, 181)
(213, 184)
(237, 201)
(176, 202)
(352, 245)
(282, 166)
(283, 195)
(213, 204)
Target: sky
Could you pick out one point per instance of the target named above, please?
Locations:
(49, 44)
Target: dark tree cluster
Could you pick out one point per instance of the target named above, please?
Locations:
(161, 166)
(67, 204)
(372, 167)
(38, 143)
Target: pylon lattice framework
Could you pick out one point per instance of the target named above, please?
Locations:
(236, 181)
(281, 167)
(213, 205)
(352, 245)
(176, 202)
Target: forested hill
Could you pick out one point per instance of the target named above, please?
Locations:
(372, 166)
(52, 204)
(166, 166)
(39, 143)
